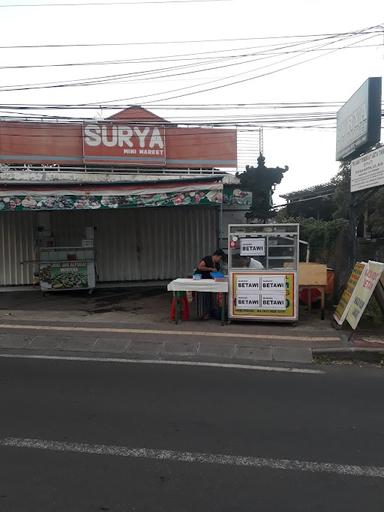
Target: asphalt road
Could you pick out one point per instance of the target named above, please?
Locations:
(336, 417)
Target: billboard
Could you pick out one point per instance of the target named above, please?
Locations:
(359, 120)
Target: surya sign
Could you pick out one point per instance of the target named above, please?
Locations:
(119, 143)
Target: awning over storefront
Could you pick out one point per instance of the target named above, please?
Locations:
(49, 191)
(78, 197)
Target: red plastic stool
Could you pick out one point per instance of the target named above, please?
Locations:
(184, 307)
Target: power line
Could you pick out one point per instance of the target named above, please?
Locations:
(236, 82)
(181, 123)
(377, 29)
(243, 123)
(109, 78)
(85, 81)
(161, 58)
(93, 4)
(183, 106)
(304, 112)
(172, 58)
(106, 79)
(265, 120)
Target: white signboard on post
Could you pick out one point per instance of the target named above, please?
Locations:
(368, 171)
(252, 246)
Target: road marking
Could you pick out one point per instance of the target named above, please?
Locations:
(235, 366)
(128, 330)
(192, 457)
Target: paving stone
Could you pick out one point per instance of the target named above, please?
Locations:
(216, 349)
(254, 353)
(143, 347)
(180, 348)
(79, 344)
(50, 342)
(111, 345)
(14, 340)
(292, 355)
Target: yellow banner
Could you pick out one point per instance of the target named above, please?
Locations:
(363, 291)
(348, 294)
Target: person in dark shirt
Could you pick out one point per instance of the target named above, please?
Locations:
(207, 306)
(210, 264)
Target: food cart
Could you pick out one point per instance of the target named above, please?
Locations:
(262, 271)
(67, 268)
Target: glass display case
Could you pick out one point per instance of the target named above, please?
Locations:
(262, 270)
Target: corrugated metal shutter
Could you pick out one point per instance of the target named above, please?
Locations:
(144, 243)
(16, 246)
(131, 245)
(115, 240)
(173, 239)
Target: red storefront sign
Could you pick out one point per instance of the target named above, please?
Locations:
(124, 144)
(126, 139)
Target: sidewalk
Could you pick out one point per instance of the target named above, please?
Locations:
(243, 343)
(135, 323)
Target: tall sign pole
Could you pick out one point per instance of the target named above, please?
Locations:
(358, 131)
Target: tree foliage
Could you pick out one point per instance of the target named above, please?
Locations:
(369, 202)
(318, 208)
(320, 234)
(342, 197)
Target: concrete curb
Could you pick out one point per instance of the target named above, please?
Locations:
(152, 342)
(347, 350)
(233, 352)
(158, 350)
(133, 340)
(362, 354)
(173, 330)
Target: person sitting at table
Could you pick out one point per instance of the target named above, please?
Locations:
(207, 306)
(210, 264)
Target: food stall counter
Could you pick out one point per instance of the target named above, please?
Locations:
(182, 285)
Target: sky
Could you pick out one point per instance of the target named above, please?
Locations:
(292, 61)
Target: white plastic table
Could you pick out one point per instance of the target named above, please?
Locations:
(198, 285)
